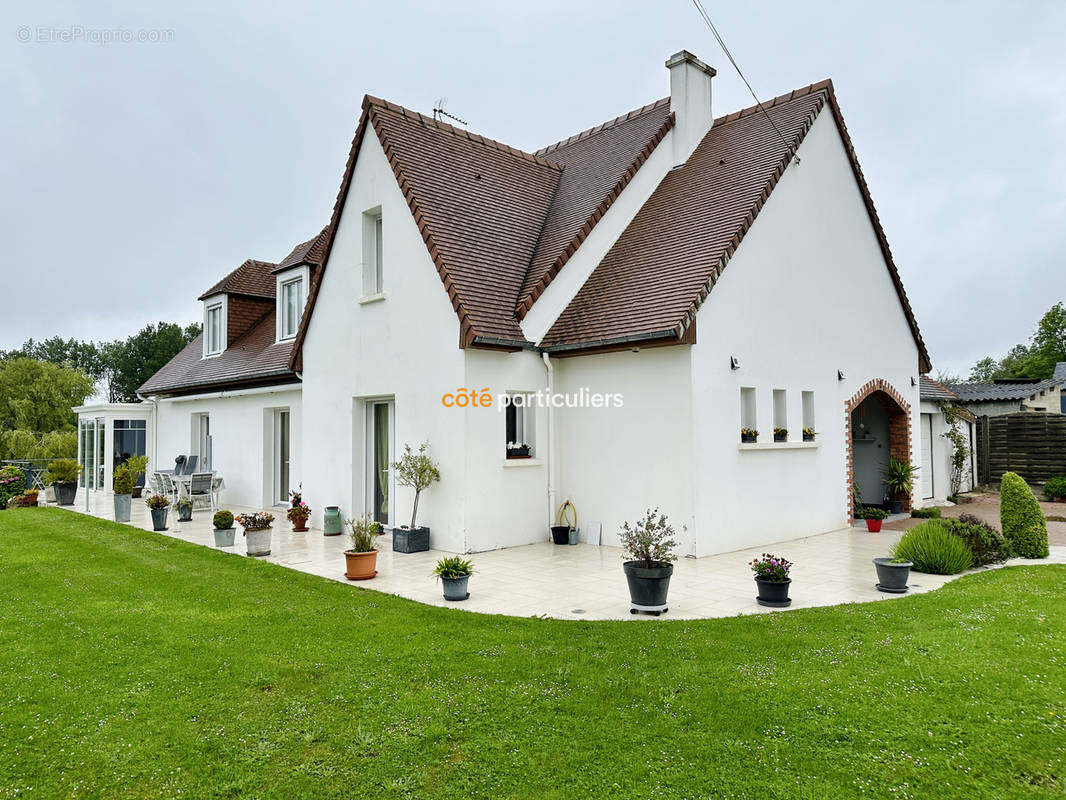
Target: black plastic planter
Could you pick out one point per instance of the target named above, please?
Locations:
(895, 506)
(892, 577)
(159, 519)
(648, 586)
(773, 593)
(65, 493)
(746, 438)
(561, 534)
(410, 540)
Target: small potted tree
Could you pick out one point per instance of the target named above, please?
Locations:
(63, 475)
(122, 480)
(184, 507)
(771, 578)
(892, 574)
(257, 531)
(898, 478)
(780, 434)
(874, 518)
(158, 505)
(223, 522)
(454, 572)
(298, 513)
(418, 471)
(361, 560)
(749, 435)
(137, 466)
(648, 545)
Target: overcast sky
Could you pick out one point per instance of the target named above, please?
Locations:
(136, 174)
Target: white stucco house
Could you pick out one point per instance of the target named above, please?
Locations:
(645, 289)
(937, 451)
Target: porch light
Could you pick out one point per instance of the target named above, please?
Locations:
(734, 363)
(840, 374)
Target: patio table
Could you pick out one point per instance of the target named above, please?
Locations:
(183, 483)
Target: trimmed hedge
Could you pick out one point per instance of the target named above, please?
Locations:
(1055, 487)
(933, 548)
(1021, 518)
(926, 513)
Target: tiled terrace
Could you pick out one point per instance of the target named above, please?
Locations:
(581, 581)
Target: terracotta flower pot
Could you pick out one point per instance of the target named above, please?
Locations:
(300, 527)
(360, 566)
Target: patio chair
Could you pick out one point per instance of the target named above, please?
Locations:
(155, 483)
(201, 489)
(170, 489)
(190, 465)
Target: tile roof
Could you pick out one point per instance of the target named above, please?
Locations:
(253, 278)
(983, 392)
(253, 358)
(309, 252)
(657, 274)
(928, 389)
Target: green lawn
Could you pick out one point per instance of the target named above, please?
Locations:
(134, 665)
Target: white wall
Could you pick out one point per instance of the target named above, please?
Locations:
(941, 456)
(807, 293)
(242, 441)
(404, 347)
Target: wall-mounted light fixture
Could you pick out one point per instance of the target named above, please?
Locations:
(914, 381)
(733, 363)
(840, 374)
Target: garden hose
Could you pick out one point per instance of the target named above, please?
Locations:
(560, 515)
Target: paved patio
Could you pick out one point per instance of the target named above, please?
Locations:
(580, 581)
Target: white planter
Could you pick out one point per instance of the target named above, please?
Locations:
(258, 542)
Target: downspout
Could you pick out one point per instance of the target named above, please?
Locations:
(551, 438)
(154, 400)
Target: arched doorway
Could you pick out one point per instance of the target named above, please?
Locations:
(877, 425)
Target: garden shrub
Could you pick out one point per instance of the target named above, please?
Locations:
(926, 513)
(933, 548)
(986, 543)
(1021, 518)
(1056, 487)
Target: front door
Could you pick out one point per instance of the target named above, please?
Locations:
(926, 475)
(281, 456)
(378, 458)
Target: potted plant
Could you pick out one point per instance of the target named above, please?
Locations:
(28, 498)
(454, 572)
(122, 481)
(749, 435)
(780, 434)
(12, 484)
(892, 574)
(223, 522)
(298, 513)
(361, 560)
(137, 465)
(158, 505)
(184, 507)
(563, 530)
(898, 478)
(771, 578)
(874, 517)
(257, 532)
(63, 475)
(517, 450)
(1055, 489)
(648, 547)
(418, 471)
(809, 434)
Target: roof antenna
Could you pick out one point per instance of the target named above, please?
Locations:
(439, 112)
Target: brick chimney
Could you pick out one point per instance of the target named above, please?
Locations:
(690, 100)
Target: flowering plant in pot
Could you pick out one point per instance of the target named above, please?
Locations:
(256, 531)
(12, 484)
(809, 434)
(771, 578)
(223, 522)
(298, 513)
(749, 435)
(417, 471)
(874, 517)
(648, 545)
(780, 434)
(362, 559)
(517, 450)
(158, 505)
(454, 572)
(28, 498)
(62, 476)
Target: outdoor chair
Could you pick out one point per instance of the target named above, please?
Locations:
(201, 489)
(190, 465)
(170, 489)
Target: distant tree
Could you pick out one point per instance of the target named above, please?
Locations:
(38, 396)
(63, 353)
(129, 363)
(945, 377)
(1037, 360)
(984, 371)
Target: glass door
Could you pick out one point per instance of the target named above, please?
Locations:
(282, 483)
(379, 457)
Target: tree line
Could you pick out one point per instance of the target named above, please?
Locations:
(1037, 359)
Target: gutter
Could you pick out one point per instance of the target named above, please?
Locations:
(550, 460)
(637, 337)
(224, 393)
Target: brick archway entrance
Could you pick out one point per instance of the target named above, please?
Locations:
(865, 447)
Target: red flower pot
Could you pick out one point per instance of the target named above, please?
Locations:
(874, 525)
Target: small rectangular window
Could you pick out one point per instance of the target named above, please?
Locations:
(373, 253)
(291, 307)
(748, 430)
(520, 416)
(213, 329)
(808, 417)
(780, 415)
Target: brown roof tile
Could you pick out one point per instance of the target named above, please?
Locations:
(253, 278)
(929, 389)
(309, 252)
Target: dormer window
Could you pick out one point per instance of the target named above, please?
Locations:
(292, 306)
(214, 326)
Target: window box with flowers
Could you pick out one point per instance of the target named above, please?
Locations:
(749, 435)
(780, 434)
(518, 450)
(809, 434)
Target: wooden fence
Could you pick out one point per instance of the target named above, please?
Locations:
(1031, 443)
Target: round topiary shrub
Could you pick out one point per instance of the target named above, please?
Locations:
(933, 548)
(1055, 488)
(1021, 519)
(223, 520)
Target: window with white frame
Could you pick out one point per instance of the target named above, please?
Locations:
(373, 253)
(292, 306)
(520, 417)
(214, 327)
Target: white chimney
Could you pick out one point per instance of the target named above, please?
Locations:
(690, 100)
